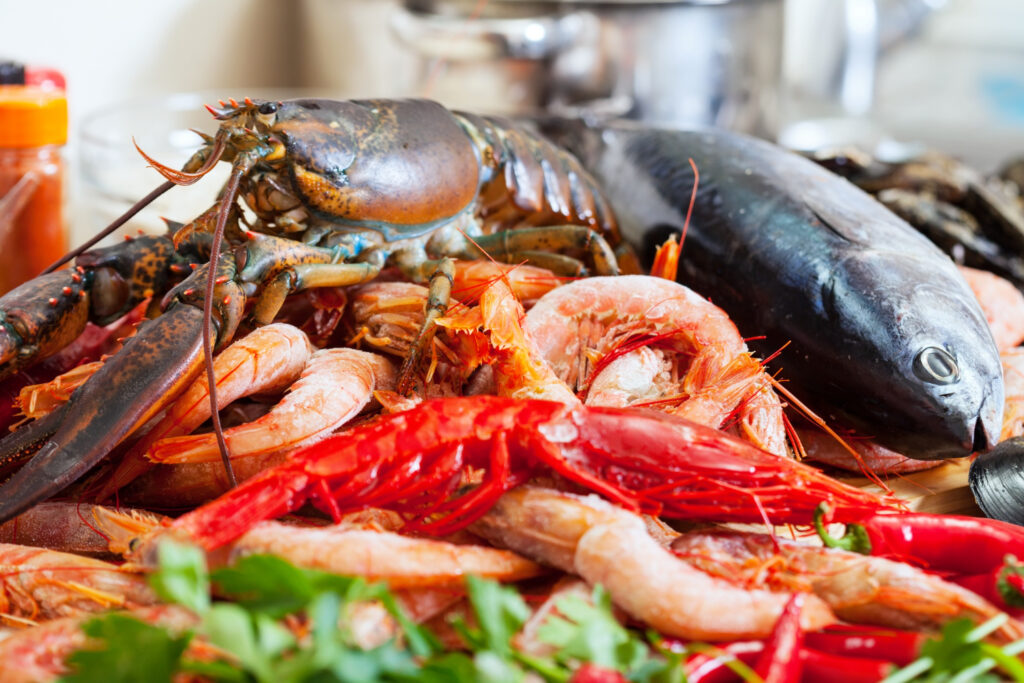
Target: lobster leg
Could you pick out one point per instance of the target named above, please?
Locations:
(152, 368)
(438, 296)
(139, 381)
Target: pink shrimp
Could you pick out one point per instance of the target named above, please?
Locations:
(400, 561)
(267, 360)
(335, 386)
(1013, 388)
(39, 584)
(606, 545)
(656, 342)
(77, 528)
(39, 654)
(861, 589)
(528, 283)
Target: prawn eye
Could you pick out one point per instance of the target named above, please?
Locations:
(936, 366)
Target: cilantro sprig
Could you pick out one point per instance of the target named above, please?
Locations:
(960, 655)
(255, 646)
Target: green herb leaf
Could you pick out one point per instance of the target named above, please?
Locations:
(591, 633)
(182, 578)
(961, 655)
(130, 651)
(269, 584)
(500, 613)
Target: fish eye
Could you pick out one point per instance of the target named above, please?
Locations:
(936, 366)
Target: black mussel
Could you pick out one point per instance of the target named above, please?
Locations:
(997, 481)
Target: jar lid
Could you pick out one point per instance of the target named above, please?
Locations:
(31, 116)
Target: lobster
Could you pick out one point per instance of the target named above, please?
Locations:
(340, 190)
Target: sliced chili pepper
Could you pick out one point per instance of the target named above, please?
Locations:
(713, 666)
(821, 667)
(898, 647)
(780, 662)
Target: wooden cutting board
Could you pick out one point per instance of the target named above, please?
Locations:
(942, 490)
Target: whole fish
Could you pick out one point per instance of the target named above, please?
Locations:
(883, 334)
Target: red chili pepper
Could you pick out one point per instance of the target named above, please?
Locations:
(820, 667)
(713, 666)
(591, 673)
(898, 647)
(1003, 587)
(943, 543)
(780, 662)
(1016, 582)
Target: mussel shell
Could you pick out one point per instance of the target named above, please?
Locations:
(997, 481)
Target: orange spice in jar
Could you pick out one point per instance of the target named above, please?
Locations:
(33, 229)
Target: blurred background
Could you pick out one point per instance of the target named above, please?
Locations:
(941, 73)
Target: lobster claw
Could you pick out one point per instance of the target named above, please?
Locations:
(140, 380)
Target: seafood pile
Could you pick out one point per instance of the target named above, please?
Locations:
(413, 346)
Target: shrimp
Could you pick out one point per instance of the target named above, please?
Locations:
(528, 283)
(37, 400)
(388, 315)
(267, 360)
(335, 386)
(637, 339)
(1001, 302)
(78, 528)
(189, 484)
(606, 545)
(400, 561)
(1013, 383)
(859, 588)
(39, 654)
(824, 448)
(41, 584)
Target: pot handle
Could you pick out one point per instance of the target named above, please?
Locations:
(466, 38)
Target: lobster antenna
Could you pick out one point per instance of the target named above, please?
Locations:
(230, 192)
(118, 222)
(174, 177)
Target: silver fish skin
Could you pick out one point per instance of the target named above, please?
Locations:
(884, 336)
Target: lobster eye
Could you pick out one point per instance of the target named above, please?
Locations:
(936, 366)
(268, 108)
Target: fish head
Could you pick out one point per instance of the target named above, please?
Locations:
(931, 383)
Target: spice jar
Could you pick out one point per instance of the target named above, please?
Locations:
(33, 230)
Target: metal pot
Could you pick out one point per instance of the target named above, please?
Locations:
(680, 63)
